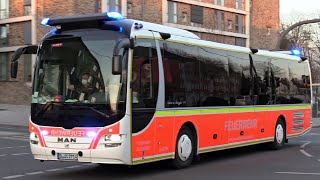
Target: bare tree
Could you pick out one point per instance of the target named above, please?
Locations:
(306, 38)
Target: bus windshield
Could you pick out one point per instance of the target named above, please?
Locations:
(74, 85)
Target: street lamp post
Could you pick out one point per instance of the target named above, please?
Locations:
(284, 33)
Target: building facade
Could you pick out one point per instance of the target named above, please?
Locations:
(250, 23)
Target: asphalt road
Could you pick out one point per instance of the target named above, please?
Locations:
(300, 159)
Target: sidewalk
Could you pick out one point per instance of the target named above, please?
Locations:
(14, 115)
(18, 115)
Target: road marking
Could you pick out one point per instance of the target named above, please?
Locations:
(18, 154)
(13, 128)
(305, 144)
(35, 173)
(305, 153)
(89, 164)
(14, 138)
(49, 170)
(53, 170)
(1, 155)
(12, 177)
(298, 173)
(13, 147)
(71, 167)
(313, 134)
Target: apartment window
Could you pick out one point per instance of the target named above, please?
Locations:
(240, 4)
(27, 67)
(239, 23)
(230, 25)
(196, 15)
(4, 9)
(172, 12)
(219, 20)
(27, 33)
(27, 10)
(98, 6)
(27, 7)
(240, 42)
(4, 31)
(4, 67)
(219, 2)
(113, 6)
(129, 7)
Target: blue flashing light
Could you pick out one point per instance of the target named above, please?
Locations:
(45, 22)
(296, 52)
(54, 32)
(121, 29)
(115, 15)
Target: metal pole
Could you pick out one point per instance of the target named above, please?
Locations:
(284, 33)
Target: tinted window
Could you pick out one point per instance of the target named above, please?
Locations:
(181, 70)
(145, 83)
(214, 86)
(261, 72)
(145, 75)
(241, 80)
(281, 81)
(299, 83)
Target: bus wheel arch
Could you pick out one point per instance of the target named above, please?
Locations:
(187, 133)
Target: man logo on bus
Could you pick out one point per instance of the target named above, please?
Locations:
(67, 140)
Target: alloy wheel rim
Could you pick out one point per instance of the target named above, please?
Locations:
(184, 147)
(279, 134)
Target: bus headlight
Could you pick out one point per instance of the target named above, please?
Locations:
(34, 138)
(113, 137)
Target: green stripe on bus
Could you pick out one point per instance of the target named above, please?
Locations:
(228, 110)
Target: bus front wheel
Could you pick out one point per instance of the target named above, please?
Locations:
(184, 148)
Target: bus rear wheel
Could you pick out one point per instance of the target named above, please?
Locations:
(279, 135)
(184, 148)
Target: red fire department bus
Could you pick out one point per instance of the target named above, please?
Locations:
(110, 90)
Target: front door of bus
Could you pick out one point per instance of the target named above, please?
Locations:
(144, 86)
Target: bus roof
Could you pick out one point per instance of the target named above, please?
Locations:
(166, 29)
(187, 34)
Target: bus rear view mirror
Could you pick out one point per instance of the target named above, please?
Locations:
(117, 64)
(17, 54)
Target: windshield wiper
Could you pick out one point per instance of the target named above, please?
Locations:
(78, 104)
(99, 112)
(44, 108)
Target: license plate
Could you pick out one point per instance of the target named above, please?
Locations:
(67, 156)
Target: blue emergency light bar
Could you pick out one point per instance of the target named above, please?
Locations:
(296, 52)
(108, 16)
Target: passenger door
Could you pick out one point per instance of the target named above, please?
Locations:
(144, 86)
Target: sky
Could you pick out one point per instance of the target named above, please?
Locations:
(303, 6)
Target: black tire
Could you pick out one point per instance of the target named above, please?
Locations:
(279, 138)
(178, 162)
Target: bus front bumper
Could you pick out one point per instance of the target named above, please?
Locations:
(112, 155)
